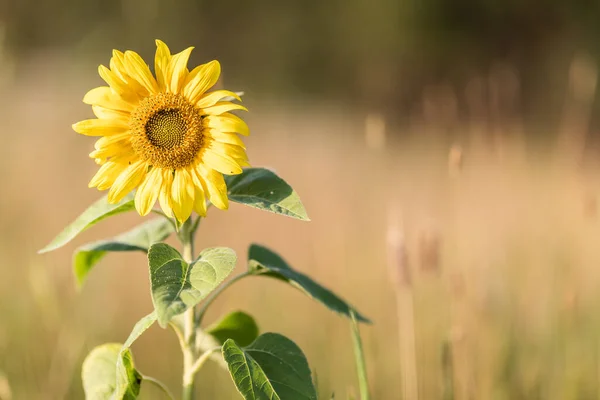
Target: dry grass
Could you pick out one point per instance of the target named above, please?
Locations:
(499, 256)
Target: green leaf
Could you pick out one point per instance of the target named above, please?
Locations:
(125, 378)
(99, 374)
(139, 238)
(95, 213)
(238, 326)
(262, 189)
(272, 367)
(264, 262)
(176, 285)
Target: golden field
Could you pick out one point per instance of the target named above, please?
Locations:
(475, 255)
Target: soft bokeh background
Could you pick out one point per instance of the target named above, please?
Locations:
(447, 153)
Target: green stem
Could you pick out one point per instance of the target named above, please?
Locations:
(207, 302)
(188, 330)
(159, 385)
(203, 358)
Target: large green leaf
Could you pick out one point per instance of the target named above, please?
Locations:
(95, 213)
(139, 238)
(271, 368)
(264, 262)
(238, 326)
(99, 374)
(177, 285)
(262, 189)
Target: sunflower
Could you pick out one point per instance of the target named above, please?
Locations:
(164, 135)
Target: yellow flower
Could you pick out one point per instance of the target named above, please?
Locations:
(165, 135)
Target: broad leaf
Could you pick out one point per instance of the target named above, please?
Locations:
(272, 367)
(238, 326)
(262, 189)
(99, 374)
(264, 262)
(177, 285)
(124, 376)
(98, 211)
(139, 238)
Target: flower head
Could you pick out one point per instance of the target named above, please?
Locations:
(164, 134)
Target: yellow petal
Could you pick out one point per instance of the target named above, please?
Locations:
(202, 78)
(226, 123)
(115, 82)
(106, 175)
(161, 64)
(227, 149)
(214, 185)
(117, 65)
(222, 163)
(223, 107)
(199, 197)
(122, 149)
(129, 179)
(182, 195)
(147, 193)
(100, 127)
(138, 70)
(104, 97)
(118, 141)
(210, 99)
(178, 70)
(224, 137)
(164, 197)
(105, 113)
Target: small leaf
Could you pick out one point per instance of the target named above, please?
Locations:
(99, 374)
(238, 326)
(272, 367)
(262, 189)
(95, 213)
(264, 262)
(139, 238)
(176, 285)
(125, 379)
(140, 327)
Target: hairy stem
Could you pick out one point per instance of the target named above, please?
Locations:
(159, 385)
(189, 329)
(207, 302)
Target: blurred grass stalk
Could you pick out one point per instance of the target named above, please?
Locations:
(363, 382)
(400, 275)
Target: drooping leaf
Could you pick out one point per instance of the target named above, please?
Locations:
(264, 262)
(140, 327)
(99, 374)
(238, 326)
(177, 285)
(95, 213)
(263, 189)
(125, 378)
(272, 367)
(139, 238)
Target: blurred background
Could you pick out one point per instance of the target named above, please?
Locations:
(447, 153)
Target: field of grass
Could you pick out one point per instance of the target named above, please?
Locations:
(478, 262)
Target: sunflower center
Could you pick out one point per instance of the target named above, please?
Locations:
(166, 128)
(166, 131)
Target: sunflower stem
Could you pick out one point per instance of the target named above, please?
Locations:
(189, 327)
